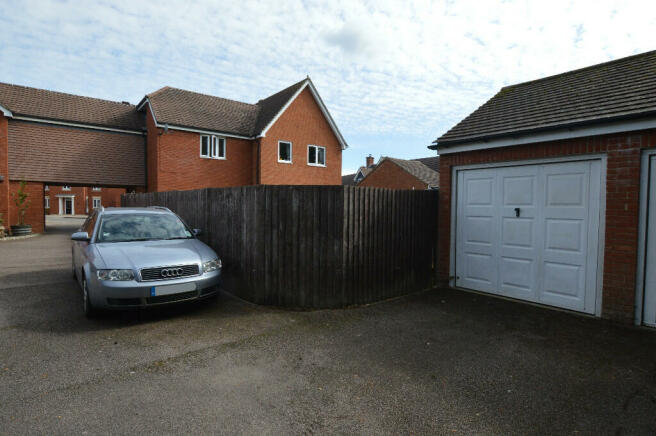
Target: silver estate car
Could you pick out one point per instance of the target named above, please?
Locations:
(135, 257)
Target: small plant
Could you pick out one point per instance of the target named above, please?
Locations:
(21, 202)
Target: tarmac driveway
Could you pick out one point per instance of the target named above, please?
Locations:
(436, 362)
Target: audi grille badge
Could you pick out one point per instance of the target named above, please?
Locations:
(168, 273)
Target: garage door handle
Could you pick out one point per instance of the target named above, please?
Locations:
(517, 212)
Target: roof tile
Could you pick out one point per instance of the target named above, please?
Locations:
(58, 106)
(621, 88)
(183, 108)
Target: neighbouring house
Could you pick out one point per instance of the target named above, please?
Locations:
(79, 200)
(355, 178)
(348, 179)
(396, 173)
(197, 140)
(544, 192)
(174, 139)
(52, 138)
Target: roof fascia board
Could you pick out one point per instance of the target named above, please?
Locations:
(77, 125)
(142, 103)
(262, 134)
(326, 114)
(610, 128)
(6, 112)
(322, 106)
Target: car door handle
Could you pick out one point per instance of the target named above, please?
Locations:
(517, 212)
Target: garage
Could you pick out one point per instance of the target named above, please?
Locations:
(530, 232)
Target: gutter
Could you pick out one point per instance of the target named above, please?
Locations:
(576, 129)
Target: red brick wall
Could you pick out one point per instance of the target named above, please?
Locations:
(174, 162)
(390, 175)
(302, 124)
(55, 190)
(4, 170)
(34, 215)
(109, 197)
(622, 204)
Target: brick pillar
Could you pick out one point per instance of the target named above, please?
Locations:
(5, 197)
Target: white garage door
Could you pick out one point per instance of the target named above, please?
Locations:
(649, 309)
(530, 232)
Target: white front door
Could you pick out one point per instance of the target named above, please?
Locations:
(530, 232)
(649, 307)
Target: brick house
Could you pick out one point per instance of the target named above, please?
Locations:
(79, 200)
(355, 178)
(173, 140)
(52, 138)
(396, 173)
(544, 192)
(196, 140)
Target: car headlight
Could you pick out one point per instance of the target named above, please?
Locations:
(211, 265)
(115, 274)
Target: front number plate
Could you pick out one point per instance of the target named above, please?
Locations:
(156, 291)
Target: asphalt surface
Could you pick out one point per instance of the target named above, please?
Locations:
(437, 362)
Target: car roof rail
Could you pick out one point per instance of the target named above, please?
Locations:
(161, 208)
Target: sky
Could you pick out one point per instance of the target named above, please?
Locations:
(395, 75)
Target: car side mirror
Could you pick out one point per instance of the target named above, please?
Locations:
(197, 232)
(80, 236)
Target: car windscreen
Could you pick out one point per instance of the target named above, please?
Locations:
(140, 227)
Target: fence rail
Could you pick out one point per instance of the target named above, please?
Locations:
(313, 246)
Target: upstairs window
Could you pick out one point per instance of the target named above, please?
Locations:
(212, 147)
(316, 156)
(284, 151)
(96, 188)
(66, 188)
(46, 188)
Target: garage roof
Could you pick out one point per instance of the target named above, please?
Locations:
(620, 89)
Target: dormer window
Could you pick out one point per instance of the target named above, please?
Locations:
(212, 147)
(66, 188)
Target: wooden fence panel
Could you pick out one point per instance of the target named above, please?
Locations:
(313, 246)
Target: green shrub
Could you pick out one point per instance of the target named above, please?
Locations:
(22, 203)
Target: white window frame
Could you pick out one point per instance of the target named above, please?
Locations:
(213, 148)
(93, 202)
(291, 155)
(66, 188)
(96, 188)
(47, 202)
(316, 155)
(46, 188)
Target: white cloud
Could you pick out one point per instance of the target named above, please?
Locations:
(394, 74)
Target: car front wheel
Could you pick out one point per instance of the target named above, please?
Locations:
(89, 310)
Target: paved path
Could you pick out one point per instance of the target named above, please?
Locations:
(437, 362)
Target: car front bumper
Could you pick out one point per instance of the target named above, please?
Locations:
(106, 294)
